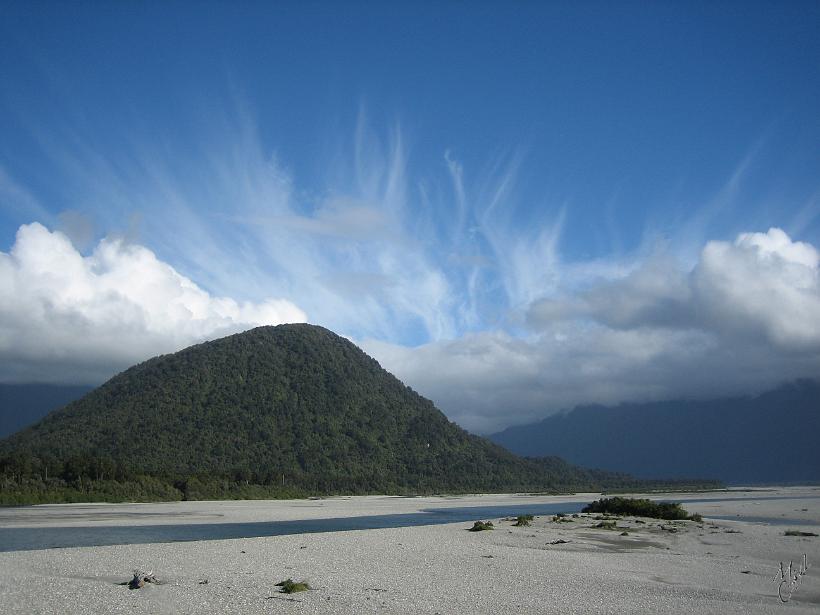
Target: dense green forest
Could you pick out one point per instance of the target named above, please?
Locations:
(279, 411)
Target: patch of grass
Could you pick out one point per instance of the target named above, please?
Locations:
(639, 508)
(798, 533)
(523, 520)
(289, 586)
(480, 526)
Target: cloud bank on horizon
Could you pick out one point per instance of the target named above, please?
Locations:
(565, 207)
(747, 316)
(443, 279)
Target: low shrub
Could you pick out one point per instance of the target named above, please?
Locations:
(798, 533)
(289, 586)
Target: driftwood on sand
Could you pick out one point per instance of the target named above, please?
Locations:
(141, 578)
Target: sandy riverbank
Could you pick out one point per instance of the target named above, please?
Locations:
(714, 567)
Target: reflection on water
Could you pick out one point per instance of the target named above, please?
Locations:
(26, 539)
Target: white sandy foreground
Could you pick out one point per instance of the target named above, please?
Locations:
(713, 567)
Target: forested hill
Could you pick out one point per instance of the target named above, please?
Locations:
(291, 409)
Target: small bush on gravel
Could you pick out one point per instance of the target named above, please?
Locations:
(289, 586)
(523, 520)
(480, 526)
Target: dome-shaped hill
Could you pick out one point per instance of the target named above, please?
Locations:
(293, 405)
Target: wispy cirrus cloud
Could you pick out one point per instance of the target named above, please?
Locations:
(427, 258)
(15, 197)
(445, 277)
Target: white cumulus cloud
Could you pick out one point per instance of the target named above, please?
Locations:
(69, 317)
(763, 284)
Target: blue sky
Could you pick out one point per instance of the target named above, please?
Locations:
(517, 183)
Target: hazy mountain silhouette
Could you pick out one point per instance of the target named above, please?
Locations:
(22, 405)
(771, 438)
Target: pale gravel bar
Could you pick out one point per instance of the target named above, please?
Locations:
(432, 569)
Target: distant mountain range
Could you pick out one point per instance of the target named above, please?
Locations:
(22, 405)
(771, 438)
(293, 409)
